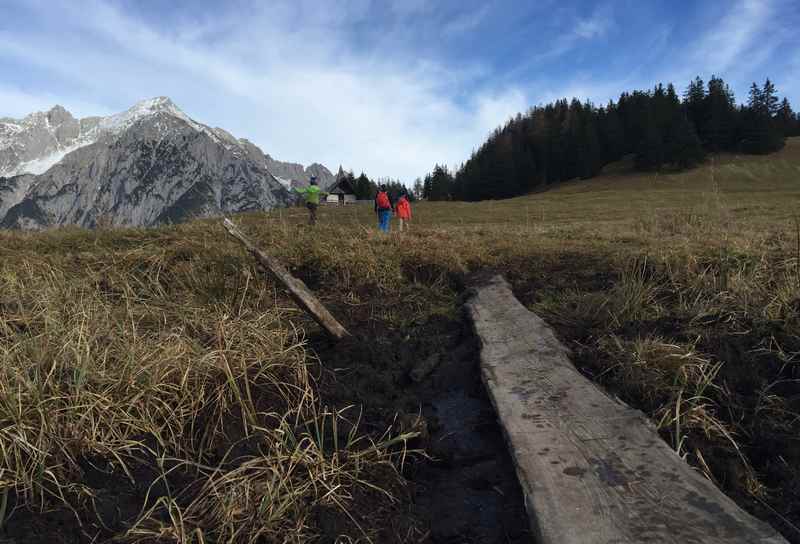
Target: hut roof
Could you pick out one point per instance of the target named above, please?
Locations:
(342, 186)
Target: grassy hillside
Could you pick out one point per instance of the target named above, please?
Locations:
(155, 387)
(745, 189)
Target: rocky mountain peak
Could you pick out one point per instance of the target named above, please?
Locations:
(156, 105)
(142, 109)
(58, 114)
(147, 165)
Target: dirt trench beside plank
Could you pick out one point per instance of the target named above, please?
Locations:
(464, 490)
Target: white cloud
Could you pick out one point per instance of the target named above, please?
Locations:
(300, 93)
(493, 110)
(732, 37)
(740, 46)
(593, 27)
(291, 77)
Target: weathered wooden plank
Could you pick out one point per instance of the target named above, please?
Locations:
(297, 289)
(593, 470)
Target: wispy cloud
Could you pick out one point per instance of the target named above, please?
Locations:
(738, 41)
(302, 96)
(572, 33)
(389, 87)
(731, 40)
(594, 27)
(466, 22)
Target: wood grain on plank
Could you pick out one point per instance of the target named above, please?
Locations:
(593, 470)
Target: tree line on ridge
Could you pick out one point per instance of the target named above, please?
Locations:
(566, 140)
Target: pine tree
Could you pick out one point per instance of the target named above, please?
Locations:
(770, 98)
(591, 158)
(785, 118)
(418, 189)
(694, 102)
(761, 133)
(364, 188)
(612, 135)
(718, 128)
(503, 174)
(684, 148)
(650, 155)
(427, 186)
(755, 101)
(441, 182)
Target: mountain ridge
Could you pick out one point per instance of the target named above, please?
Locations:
(144, 166)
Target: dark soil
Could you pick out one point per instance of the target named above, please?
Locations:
(115, 504)
(462, 489)
(467, 490)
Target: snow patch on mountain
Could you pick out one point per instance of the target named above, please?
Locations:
(39, 122)
(283, 181)
(43, 164)
(9, 128)
(145, 108)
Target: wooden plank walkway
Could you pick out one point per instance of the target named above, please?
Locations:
(593, 470)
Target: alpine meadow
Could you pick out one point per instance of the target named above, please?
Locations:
(450, 273)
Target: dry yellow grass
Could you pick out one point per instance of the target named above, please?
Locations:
(166, 348)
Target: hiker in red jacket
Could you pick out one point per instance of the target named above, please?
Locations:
(403, 210)
(383, 207)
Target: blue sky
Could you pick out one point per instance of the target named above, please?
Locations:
(389, 87)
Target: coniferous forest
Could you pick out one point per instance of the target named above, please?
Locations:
(365, 188)
(660, 129)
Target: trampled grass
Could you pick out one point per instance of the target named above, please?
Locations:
(164, 360)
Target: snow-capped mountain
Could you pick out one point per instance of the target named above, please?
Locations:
(148, 165)
(35, 143)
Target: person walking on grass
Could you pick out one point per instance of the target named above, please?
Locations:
(312, 194)
(403, 210)
(383, 207)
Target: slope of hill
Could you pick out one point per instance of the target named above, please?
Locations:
(158, 349)
(148, 165)
(756, 188)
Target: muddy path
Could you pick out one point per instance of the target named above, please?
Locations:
(465, 490)
(462, 489)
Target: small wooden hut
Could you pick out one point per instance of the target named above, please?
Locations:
(342, 191)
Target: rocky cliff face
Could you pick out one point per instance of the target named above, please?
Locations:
(297, 174)
(289, 174)
(149, 165)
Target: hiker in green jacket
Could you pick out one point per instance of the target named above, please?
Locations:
(312, 194)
